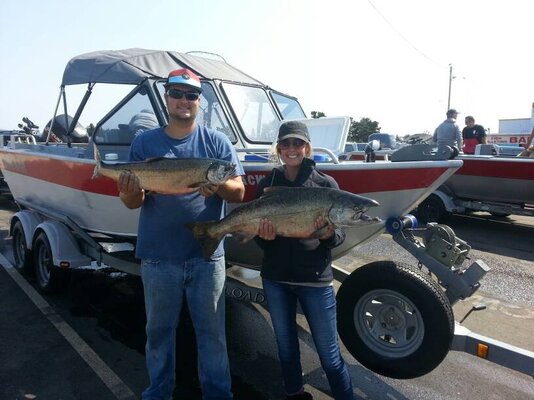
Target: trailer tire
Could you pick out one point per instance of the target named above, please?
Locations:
(21, 254)
(431, 209)
(50, 278)
(395, 320)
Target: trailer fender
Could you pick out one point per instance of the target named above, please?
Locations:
(29, 220)
(63, 245)
(448, 202)
(436, 207)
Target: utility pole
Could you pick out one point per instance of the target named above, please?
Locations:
(450, 84)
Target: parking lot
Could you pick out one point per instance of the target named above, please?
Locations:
(87, 342)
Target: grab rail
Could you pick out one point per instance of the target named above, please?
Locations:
(22, 138)
(264, 152)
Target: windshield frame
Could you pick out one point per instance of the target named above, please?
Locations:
(293, 100)
(208, 87)
(266, 101)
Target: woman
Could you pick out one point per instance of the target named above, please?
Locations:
(300, 269)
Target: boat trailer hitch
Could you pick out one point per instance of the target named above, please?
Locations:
(442, 253)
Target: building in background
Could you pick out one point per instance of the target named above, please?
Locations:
(514, 130)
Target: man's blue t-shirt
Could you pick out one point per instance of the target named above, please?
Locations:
(162, 234)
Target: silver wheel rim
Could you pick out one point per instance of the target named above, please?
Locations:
(44, 262)
(389, 323)
(20, 247)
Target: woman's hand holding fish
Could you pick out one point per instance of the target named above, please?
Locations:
(325, 227)
(266, 230)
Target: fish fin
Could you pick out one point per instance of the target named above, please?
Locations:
(98, 160)
(207, 243)
(319, 232)
(242, 237)
(273, 189)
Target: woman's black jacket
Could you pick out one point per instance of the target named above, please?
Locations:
(298, 260)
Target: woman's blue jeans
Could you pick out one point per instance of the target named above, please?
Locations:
(202, 282)
(319, 307)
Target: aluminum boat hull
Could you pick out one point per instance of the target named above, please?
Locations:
(65, 184)
(493, 179)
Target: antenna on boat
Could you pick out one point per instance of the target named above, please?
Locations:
(214, 55)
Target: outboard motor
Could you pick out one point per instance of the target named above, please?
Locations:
(60, 126)
(370, 149)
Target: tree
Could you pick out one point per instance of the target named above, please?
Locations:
(360, 131)
(317, 114)
(91, 129)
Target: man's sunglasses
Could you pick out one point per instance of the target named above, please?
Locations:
(296, 143)
(178, 94)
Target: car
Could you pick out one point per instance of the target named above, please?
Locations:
(351, 147)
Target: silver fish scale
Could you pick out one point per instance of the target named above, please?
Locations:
(292, 208)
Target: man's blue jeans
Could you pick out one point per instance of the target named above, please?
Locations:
(202, 282)
(319, 307)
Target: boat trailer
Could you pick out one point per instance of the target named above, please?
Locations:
(395, 319)
(439, 253)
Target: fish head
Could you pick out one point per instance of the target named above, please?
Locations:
(218, 172)
(349, 209)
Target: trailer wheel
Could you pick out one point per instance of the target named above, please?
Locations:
(431, 209)
(395, 320)
(50, 278)
(21, 254)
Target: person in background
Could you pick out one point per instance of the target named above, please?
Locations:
(472, 135)
(299, 270)
(529, 148)
(172, 262)
(448, 133)
(143, 121)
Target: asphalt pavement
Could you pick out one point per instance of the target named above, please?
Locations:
(88, 344)
(42, 357)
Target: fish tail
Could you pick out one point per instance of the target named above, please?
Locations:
(96, 171)
(207, 242)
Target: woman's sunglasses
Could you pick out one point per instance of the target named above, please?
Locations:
(296, 143)
(178, 94)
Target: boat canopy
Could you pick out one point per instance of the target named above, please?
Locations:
(132, 66)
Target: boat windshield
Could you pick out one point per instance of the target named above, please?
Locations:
(254, 111)
(211, 112)
(289, 107)
(134, 114)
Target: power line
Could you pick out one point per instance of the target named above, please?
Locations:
(402, 36)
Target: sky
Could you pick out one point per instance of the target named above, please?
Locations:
(387, 60)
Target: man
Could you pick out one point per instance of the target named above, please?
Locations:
(448, 133)
(472, 135)
(172, 263)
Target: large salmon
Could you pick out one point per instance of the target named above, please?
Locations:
(293, 212)
(169, 175)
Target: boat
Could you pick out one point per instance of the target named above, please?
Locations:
(493, 180)
(69, 219)
(56, 175)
